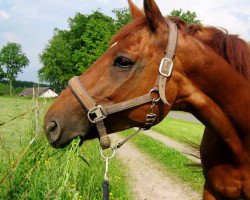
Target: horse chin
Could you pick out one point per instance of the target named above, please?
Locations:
(67, 138)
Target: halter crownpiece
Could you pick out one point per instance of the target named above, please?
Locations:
(97, 113)
(166, 66)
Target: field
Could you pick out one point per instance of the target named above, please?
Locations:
(31, 169)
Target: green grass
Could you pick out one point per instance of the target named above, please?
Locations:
(46, 173)
(182, 131)
(37, 171)
(170, 160)
(16, 134)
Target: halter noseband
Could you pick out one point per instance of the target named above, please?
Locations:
(97, 113)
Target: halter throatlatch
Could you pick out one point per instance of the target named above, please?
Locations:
(97, 113)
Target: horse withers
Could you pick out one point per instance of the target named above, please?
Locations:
(166, 64)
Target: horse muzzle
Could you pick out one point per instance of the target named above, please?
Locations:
(60, 132)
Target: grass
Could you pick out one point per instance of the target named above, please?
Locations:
(170, 160)
(16, 134)
(46, 173)
(37, 171)
(179, 130)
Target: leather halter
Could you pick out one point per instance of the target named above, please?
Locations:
(97, 113)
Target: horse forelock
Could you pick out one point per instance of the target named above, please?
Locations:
(133, 26)
(231, 47)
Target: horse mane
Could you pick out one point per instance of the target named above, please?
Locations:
(232, 48)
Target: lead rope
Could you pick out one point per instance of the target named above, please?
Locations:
(118, 145)
(105, 183)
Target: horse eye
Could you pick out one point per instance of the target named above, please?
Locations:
(123, 62)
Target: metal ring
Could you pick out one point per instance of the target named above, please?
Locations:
(155, 91)
(112, 155)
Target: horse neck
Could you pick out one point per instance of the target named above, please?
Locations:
(218, 81)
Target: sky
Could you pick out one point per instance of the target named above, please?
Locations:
(31, 23)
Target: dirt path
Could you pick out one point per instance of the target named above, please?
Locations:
(148, 180)
(183, 115)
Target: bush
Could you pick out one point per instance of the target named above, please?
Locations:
(4, 89)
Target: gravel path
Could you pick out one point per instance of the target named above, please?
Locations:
(148, 180)
(183, 115)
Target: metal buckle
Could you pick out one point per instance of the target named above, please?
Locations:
(166, 65)
(96, 114)
(157, 92)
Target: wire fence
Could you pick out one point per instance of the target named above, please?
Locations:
(37, 129)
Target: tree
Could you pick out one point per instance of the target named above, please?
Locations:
(188, 16)
(123, 17)
(57, 61)
(1, 73)
(95, 39)
(71, 52)
(13, 60)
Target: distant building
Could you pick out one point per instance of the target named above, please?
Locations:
(44, 92)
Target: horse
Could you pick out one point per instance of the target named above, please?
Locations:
(154, 65)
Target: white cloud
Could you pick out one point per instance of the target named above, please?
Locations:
(4, 14)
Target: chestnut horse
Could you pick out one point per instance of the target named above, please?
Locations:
(209, 77)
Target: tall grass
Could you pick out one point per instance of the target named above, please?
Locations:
(34, 170)
(17, 128)
(46, 173)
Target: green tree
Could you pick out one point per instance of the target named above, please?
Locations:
(71, 52)
(95, 39)
(57, 61)
(2, 74)
(13, 60)
(123, 17)
(188, 16)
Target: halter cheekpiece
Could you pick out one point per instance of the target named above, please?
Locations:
(97, 113)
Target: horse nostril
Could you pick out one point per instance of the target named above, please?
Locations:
(52, 130)
(51, 127)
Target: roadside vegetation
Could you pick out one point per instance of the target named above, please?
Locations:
(180, 130)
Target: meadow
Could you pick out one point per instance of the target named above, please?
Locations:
(31, 169)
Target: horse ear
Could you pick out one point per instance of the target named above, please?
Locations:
(135, 11)
(153, 14)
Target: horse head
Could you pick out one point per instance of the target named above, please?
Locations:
(128, 69)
